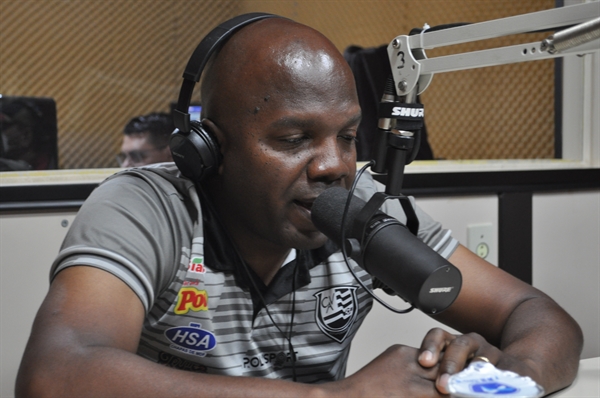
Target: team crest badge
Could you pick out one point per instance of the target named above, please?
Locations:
(336, 311)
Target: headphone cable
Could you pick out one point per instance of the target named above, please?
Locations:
(262, 300)
(257, 290)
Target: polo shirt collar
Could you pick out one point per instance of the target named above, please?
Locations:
(220, 254)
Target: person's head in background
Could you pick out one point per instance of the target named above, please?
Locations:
(146, 140)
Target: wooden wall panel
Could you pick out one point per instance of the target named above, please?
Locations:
(107, 61)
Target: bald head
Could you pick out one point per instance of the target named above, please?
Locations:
(272, 62)
(281, 101)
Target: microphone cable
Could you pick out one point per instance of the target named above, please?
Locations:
(344, 251)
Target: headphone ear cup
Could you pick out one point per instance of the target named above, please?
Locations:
(196, 153)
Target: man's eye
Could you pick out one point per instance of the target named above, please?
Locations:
(137, 156)
(349, 138)
(295, 139)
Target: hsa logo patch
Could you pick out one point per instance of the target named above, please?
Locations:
(191, 339)
(190, 298)
(336, 311)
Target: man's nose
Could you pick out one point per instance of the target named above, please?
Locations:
(127, 162)
(330, 162)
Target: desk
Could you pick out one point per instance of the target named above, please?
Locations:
(587, 383)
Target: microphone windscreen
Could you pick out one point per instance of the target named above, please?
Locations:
(328, 209)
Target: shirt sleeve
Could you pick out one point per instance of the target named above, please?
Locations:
(126, 227)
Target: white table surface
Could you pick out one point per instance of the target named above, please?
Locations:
(587, 383)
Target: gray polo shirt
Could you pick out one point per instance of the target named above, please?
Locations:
(151, 228)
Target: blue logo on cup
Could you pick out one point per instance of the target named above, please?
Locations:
(191, 339)
(493, 388)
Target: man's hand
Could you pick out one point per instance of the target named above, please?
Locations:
(396, 372)
(452, 353)
(517, 327)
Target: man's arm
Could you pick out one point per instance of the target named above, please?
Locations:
(84, 340)
(86, 333)
(530, 334)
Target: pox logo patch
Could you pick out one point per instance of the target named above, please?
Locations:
(191, 339)
(190, 298)
(336, 311)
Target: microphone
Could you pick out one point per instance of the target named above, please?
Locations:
(387, 250)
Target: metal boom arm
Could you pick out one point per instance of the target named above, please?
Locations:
(411, 69)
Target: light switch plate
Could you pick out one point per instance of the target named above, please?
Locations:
(481, 240)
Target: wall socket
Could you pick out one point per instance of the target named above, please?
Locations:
(481, 240)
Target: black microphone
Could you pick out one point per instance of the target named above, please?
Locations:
(387, 250)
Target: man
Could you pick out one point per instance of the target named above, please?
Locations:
(146, 140)
(223, 279)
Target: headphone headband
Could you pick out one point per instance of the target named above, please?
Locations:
(194, 148)
(200, 57)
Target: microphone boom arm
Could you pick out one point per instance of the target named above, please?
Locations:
(412, 70)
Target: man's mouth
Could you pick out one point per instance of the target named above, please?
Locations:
(307, 204)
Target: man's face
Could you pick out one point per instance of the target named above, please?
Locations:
(136, 150)
(290, 146)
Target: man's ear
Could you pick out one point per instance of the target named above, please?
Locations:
(219, 135)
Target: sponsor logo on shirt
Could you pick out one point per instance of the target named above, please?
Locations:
(196, 265)
(276, 359)
(173, 361)
(190, 298)
(336, 311)
(191, 339)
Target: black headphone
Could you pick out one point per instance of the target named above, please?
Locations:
(194, 148)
